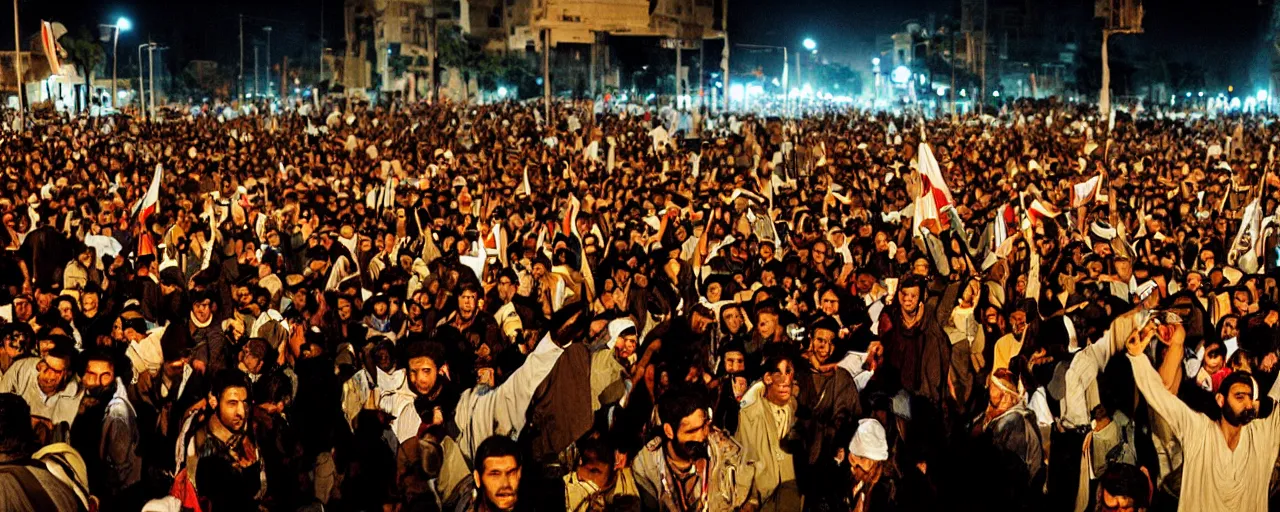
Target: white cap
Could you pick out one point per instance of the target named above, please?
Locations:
(869, 442)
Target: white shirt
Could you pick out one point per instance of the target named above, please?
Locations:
(21, 380)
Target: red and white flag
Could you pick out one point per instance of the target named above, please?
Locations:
(935, 197)
(49, 41)
(1039, 211)
(149, 203)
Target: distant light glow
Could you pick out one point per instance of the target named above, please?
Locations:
(875, 61)
(810, 44)
(1201, 94)
(964, 93)
(995, 94)
(1262, 95)
(1188, 94)
(900, 75)
(123, 24)
(736, 92)
(502, 92)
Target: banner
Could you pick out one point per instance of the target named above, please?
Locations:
(49, 41)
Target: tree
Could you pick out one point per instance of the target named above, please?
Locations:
(84, 52)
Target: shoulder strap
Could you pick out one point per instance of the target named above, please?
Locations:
(31, 487)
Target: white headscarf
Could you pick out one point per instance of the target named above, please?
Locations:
(869, 442)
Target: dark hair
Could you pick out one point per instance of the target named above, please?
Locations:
(273, 387)
(496, 447)
(96, 354)
(1236, 377)
(1126, 480)
(16, 435)
(677, 404)
(429, 349)
(596, 447)
(63, 348)
(228, 378)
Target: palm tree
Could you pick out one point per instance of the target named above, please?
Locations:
(84, 52)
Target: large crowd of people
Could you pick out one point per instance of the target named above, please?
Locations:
(594, 307)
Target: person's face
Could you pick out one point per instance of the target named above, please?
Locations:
(767, 279)
(882, 242)
(735, 363)
(909, 298)
(625, 347)
(1240, 301)
(700, 322)
(467, 303)
(1095, 269)
(690, 436)
(66, 311)
(380, 309)
(252, 364)
(1018, 320)
(344, 309)
(500, 479)
(822, 344)
(920, 267)
(89, 301)
(22, 310)
(597, 472)
(53, 374)
(1229, 329)
(778, 382)
(44, 346)
(98, 375)
(864, 283)
(506, 289)
(13, 343)
(620, 277)
(44, 300)
(1110, 503)
(233, 406)
(766, 252)
(1214, 358)
(423, 374)
(819, 253)
(830, 303)
(767, 324)
(203, 310)
(863, 469)
(1238, 406)
(732, 319)
(714, 291)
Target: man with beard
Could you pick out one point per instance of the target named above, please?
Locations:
(222, 455)
(476, 326)
(496, 477)
(425, 402)
(828, 400)
(106, 434)
(693, 466)
(46, 382)
(867, 485)
(1225, 463)
(765, 426)
(915, 347)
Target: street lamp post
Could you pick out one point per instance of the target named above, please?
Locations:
(267, 29)
(142, 92)
(122, 24)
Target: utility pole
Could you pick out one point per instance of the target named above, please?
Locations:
(724, 59)
(267, 29)
(1122, 17)
(151, 56)
(284, 77)
(17, 58)
(546, 73)
(679, 67)
(982, 95)
(240, 79)
(255, 71)
(321, 40)
(142, 90)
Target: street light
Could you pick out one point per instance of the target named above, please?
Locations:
(122, 25)
(810, 44)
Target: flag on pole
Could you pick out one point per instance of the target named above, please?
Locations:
(935, 197)
(1085, 192)
(49, 41)
(1039, 211)
(149, 203)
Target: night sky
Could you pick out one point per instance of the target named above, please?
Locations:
(1223, 36)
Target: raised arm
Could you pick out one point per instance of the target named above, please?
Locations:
(1181, 419)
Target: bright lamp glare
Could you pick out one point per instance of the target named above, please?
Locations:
(502, 92)
(123, 24)
(810, 44)
(1262, 96)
